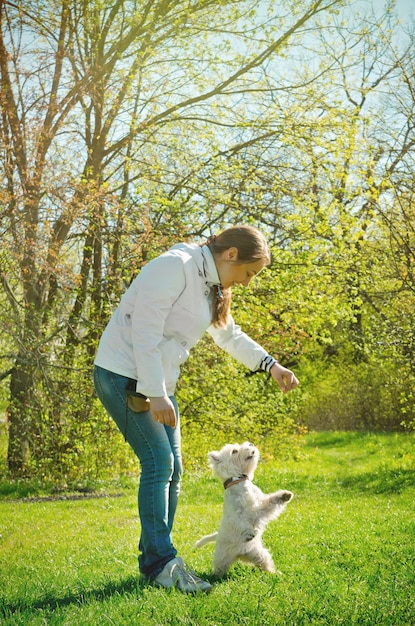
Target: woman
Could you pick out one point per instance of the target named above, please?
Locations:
(165, 311)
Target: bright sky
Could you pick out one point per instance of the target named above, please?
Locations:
(404, 8)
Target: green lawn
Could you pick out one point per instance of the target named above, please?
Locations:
(345, 546)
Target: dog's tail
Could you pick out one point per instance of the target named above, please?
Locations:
(206, 539)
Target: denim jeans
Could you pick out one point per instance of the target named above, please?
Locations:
(158, 449)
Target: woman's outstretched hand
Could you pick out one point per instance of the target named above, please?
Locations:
(285, 378)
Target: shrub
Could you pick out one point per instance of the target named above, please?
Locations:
(373, 396)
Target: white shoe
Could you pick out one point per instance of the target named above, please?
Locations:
(177, 574)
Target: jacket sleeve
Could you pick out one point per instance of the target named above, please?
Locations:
(238, 344)
(158, 286)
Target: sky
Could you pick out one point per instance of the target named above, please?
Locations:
(404, 8)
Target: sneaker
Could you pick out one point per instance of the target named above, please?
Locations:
(177, 574)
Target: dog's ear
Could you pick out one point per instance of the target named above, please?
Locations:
(214, 457)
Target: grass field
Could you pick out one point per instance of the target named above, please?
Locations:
(345, 546)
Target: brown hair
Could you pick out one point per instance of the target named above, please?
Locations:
(251, 245)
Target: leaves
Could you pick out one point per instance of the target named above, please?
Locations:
(127, 127)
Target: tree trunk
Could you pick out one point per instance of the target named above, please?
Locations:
(21, 385)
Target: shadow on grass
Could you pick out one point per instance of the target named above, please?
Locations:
(50, 602)
(333, 439)
(381, 481)
(131, 585)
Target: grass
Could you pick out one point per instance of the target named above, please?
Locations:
(345, 546)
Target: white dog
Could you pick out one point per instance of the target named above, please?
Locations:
(246, 510)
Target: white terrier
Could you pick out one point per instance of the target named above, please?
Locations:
(246, 510)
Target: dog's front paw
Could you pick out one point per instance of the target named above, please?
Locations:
(281, 497)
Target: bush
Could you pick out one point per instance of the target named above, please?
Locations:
(369, 396)
(73, 442)
(220, 404)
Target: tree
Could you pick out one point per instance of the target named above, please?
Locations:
(89, 94)
(332, 178)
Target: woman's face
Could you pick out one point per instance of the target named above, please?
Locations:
(233, 273)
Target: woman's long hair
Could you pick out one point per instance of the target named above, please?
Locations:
(251, 246)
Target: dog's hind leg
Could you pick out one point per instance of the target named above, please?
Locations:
(222, 560)
(260, 557)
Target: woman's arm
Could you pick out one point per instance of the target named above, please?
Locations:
(245, 350)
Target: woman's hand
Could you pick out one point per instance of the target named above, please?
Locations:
(285, 378)
(163, 411)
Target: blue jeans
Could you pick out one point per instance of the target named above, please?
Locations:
(158, 448)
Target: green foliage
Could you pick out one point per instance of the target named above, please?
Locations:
(220, 404)
(368, 396)
(344, 547)
(75, 443)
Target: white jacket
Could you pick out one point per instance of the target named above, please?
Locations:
(162, 315)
